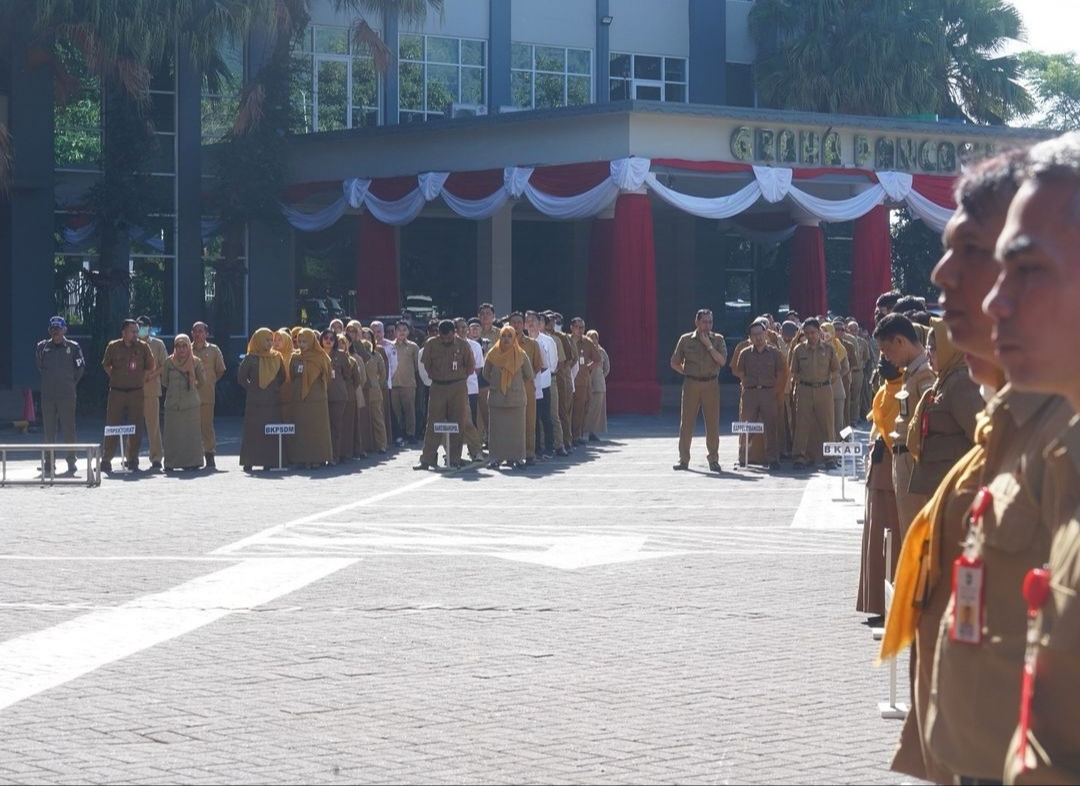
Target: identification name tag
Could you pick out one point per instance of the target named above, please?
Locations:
(333, 373)
(453, 366)
(299, 368)
(969, 579)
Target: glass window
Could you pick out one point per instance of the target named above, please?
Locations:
(335, 85)
(331, 40)
(435, 72)
(549, 76)
(647, 78)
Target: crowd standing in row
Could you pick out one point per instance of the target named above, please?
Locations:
(519, 386)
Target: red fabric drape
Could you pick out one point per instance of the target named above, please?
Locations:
(394, 188)
(477, 184)
(376, 268)
(936, 188)
(565, 180)
(871, 263)
(808, 272)
(628, 332)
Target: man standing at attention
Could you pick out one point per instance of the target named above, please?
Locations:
(62, 365)
(763, 371)
(699, 356)
(814, 366)
(404, 382)
(152, 392)
(448, 360)
(127, 362)
(214, 365)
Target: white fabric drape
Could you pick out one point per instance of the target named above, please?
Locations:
(773, 184)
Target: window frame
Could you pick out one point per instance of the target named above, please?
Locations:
(425, 112)
(633, 82)
(566, 74)
(306, 51)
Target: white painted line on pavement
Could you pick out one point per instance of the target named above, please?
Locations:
(44, 659)
(822, 507)
(587, 551)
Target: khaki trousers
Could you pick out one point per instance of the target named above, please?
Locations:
(582, 394)
(446, 404)
(760, 406)
(206, 420)
(530, 419)
(482, 413)
(908, 505)
(703, 396)
(553, 393)
(403, 400)
(814, 415)
(377, 413)
(566, 406)
(855, 398)
(59, 412)
(152, 418)
(124, 408)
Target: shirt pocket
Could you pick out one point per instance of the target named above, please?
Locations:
(1061, 618)
(1012, 519)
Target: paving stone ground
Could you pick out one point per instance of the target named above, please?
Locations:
(600, 619)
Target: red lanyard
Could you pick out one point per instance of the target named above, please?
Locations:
(1036, 591)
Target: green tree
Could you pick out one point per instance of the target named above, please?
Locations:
(890, 57)
(1056, 82)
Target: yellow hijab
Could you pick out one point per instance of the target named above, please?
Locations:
(287, 350)
(918, 569)
(885, 409)
(185, 363)
(269, 359)
(948, 360)
(510, 360)
(316, 361)
(830, 333)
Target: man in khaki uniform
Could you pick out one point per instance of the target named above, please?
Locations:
(127, 361)
(814, 367)
(448, 360)
(403, 385)
(214, 365)
(900, 343)
(532, 352)
(489, 337)
(565, 380)
(859, 380)
(587, 356)
(786, 422)
(61, 364)
(854, 378)
(699, 357)
(763, 372)
(152, 392)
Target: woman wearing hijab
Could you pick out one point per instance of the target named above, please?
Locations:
(360, 352)
(506, 368)
(881, 515)
(311, 446)
(343, 381)
(283, 345)
(263, 374)
(596, 411)
(376, 386)
(181, 376)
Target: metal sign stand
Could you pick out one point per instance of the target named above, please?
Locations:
(280, 430)
(891, 709)
(746, 429)
(841, 450)
(121, 431)
(446, 429)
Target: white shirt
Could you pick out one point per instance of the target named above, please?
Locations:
(391, 361)
(423, 369)
(472, 384)
(551, 359)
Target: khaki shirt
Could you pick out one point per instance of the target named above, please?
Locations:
(696, 359)
(127, 366)
(764, 369)
(214, 364)
(535, 356)
(152, 388)
(61, 365)
(407, 373)
(918, 378)
(950, 429)
(567, 355)
(587, 356)
(735, 370)
(447, 362)
(814, 365)
(1055, 709)
(970, 719)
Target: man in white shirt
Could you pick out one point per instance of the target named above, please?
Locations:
(545, 427)
(379, 330)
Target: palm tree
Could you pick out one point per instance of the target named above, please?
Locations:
(890, 57)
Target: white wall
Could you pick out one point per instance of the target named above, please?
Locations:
(740, 47)
(460, 19)
(650, 27)
(322, 13)
(557, 22)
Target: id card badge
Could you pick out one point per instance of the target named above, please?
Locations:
(968, 593)
(299, 368)
(333, 373)
(131, 363)
(453, 366)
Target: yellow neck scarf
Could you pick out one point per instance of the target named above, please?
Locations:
(510, 359)
(885, 409)
(269, 359)
(918, 568)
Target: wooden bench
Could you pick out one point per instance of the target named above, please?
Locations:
(92, 452)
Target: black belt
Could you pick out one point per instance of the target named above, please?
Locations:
(125, 390)
(700, 379)
(446, 382)
(757, 387)
(899, 449)
(815, 384)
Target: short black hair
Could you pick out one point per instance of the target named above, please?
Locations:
(577, 321)
(811, 322)
(517, 314)
(988, 186)
(488, 306)
(446, 326)
(126, 322)
(919, 317)
(474, 321)
(701, 312)
(143, 320)
(401, 322)
(888, 299)
(896, 324)
(909, 304)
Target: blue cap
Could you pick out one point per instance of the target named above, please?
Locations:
(57, 322)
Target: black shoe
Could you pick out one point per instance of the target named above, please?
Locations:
(593, 437)
(561, 452)
(106, 466)
(155, 465)
(72, 467)
(831, 465)
(774, 465)
(681, 466)
(422, 465)
(247, 468)
(742, 463)
(799, 466)
(210, 461)
(132, 465)
(493, 465)
(456, 464)
(529, 462)
(714, 466)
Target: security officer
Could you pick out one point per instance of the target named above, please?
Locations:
(61, 364)
(448, 360)
(214, 365)
(814, 367)
(587, 356)
(699, 357)
(763, 372)
(899, 341)
(152, 392)
(127, 361)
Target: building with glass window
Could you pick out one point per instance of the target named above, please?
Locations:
(597, 157)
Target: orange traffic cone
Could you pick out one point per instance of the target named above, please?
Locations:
(28, 406)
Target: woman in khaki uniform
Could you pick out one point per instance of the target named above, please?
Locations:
(262, 373)
(376, 386)
(506, 368)
(181, 377)
(311, 447)
(337, 396)
(359, 352)
(283, 345)
(596, 413)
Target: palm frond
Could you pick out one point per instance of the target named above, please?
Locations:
(365, 39)
(252, 109)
